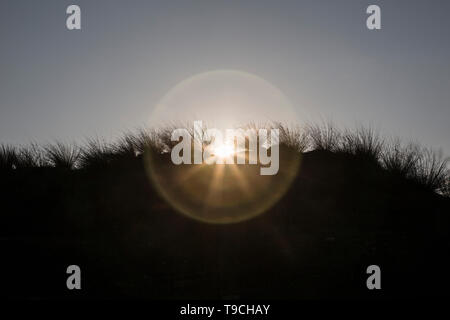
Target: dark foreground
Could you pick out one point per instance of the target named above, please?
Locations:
(340, 216)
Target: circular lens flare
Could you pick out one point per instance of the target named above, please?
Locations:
(222, 191)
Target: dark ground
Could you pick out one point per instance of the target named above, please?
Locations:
(340, 216)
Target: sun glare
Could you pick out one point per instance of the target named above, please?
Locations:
(225, 184)
(223, 151)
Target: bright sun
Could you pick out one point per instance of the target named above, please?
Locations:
(223, 151)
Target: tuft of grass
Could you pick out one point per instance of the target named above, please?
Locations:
(31, 156)
(146, 140)
(424, 166)
(96, 153)
(363, 143)
(8, 157)
(400, 160)
(324, 136)
(431, 171)
(125, 147)
(294, 137)
(60, 155)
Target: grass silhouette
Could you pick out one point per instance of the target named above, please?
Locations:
(358, 199)
(412, 162)
(60, 155)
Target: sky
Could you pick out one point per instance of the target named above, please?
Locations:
(106, 78)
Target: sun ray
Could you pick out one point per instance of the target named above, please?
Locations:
(240, 179)
(215, 182)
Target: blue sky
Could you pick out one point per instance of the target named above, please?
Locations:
(107, 78)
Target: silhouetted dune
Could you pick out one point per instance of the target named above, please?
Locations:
(342, 213)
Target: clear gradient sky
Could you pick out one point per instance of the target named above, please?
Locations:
(106, 78)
